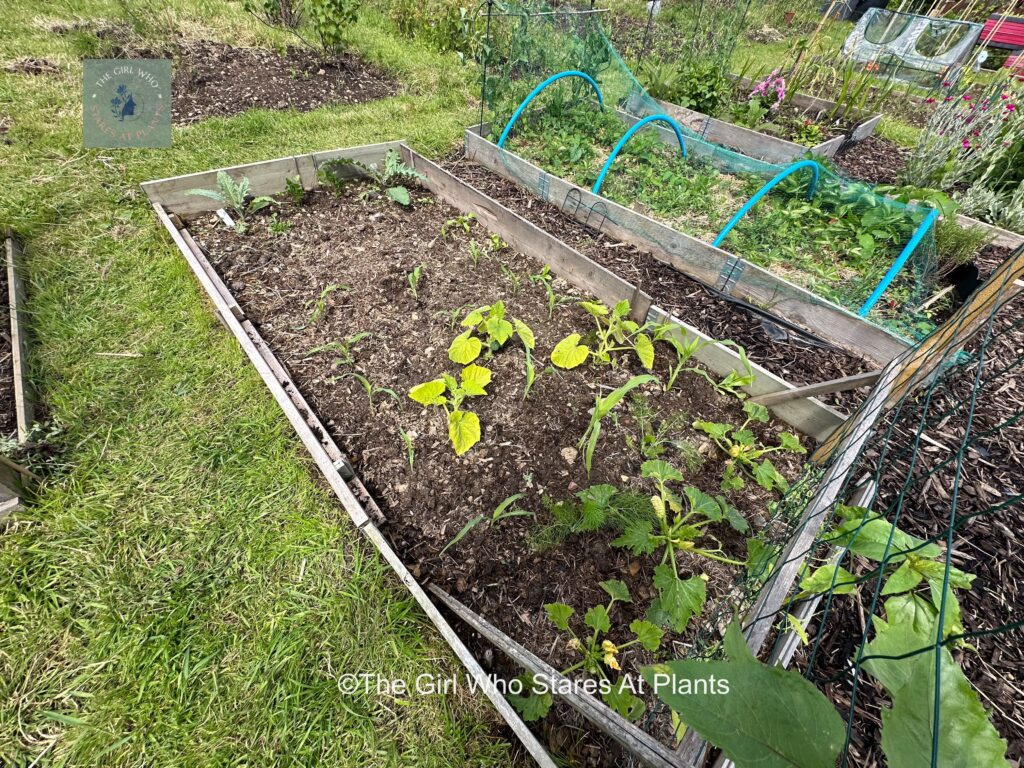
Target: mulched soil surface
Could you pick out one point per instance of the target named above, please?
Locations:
(988, 543)
(30, 66)
(212, 79)
(369, 248)
(8, 417)
(674, 292)
(875, 160)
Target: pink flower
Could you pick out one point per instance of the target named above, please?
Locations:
(1011, 107)
(948, 98)
(966, 144)
(946, 83)
(929, 100)
(967, 97)
(1004, 96)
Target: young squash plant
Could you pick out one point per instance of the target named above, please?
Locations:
(614, 331)
(449, 394)
(746, 454)
(487, 331)
(600, 656)
(678, 526)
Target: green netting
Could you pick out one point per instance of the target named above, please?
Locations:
(839, 245)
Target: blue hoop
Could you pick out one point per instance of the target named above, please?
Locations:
(628, 135)
(897, 265)
(541, 87)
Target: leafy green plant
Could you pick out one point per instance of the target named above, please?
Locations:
(463, 425)
(793, 724)
(338, 172)
(599, 655)
(495, 243)
(477, 253)
(331, 20)
(278, 226)
(512, 278)
(487, 331)
(602, 407)
(235, 195)
(673, 335)
(410, 447)
(678, 525)
(545, 279)
(746, 455)
(809, 134)
(918, 584)
(294, 190)
(323, 302)
(503, 511)
(414, 280)
(463, 221)
(615, 332)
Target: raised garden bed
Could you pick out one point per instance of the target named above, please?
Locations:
(695, 257)
(17, 410)
(774, 148)
(299, 287)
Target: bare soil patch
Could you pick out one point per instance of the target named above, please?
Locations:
(875, 160)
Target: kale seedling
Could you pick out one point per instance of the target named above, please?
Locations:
(746, 454)
(235, 195)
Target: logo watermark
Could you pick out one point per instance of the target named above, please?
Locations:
(127, 103)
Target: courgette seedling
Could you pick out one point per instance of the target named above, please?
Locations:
(487, 331)
(746, 454)
(235, 195)
(463, 426)
(615, 333)
(600, 656)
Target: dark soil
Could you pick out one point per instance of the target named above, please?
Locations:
(212, 79)
(527, 445)
(875, 160)
(30, 66)
(8, 416)
(784, 352)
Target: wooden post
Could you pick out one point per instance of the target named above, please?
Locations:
(24, 405)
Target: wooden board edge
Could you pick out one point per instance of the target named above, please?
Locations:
(24, 396)
(847, 330)
(1004, 238)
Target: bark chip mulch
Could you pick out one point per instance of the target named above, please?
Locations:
(874, 160)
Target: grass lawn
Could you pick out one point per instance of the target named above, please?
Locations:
(184, 592)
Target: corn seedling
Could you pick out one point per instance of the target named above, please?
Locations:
(511, 277)
(602, 407)
(372, 390)
(414, 280)
(673, 335)
(503, 511)
(323, 302)
(496, 243)
(410, 448)
(476, 252)
(343, 349)
(545, 279)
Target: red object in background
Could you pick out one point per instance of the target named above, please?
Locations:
(1016, 62)
(1009, 36)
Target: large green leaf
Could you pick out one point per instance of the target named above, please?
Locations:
(429, 393)
(463, 430)
(637, 538)
(966, 738)
(678, 600)
(644, 348)
(474, 379)
(569, 353)
(766, 717)
(659, 470)
(870, 535)
(617, 590)
(559, 613)
(465, 348)
(597, 618)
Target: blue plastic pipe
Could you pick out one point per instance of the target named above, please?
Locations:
(815, 172)
(628, 135)
(541, 87)
(897, 265)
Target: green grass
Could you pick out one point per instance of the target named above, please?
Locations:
(184, 592)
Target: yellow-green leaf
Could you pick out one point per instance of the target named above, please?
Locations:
(797, 626)
(644, 350)
(429, 393)
(465, 348)
(525, 333)
(463, 430)
(569, 353)
(595, 308)
(474, 379)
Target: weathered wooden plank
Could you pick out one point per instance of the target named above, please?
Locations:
(640, 744)
(537, 752)
(810, 416)
(211, 274)
(821, 388)
(527, 238)
(24, 399)
(265, 178)
(1004, 238)
(694, 257)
